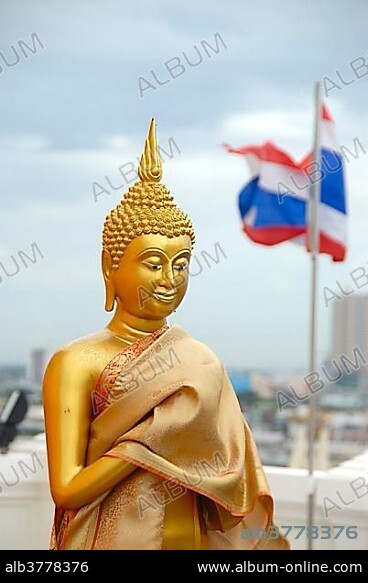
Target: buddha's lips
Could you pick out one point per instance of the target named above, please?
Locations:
(165, 297)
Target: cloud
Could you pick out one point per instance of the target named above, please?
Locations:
(72, 115)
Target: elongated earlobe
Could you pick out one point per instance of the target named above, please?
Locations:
(110, 297)
(109, 286)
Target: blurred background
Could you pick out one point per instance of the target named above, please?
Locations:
(79, 83)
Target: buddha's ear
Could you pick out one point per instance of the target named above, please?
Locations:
(106, 264)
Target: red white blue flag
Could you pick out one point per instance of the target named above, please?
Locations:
(274, 203)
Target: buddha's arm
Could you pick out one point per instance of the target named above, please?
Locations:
(67, 404)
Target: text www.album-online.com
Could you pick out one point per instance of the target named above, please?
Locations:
(304, 567)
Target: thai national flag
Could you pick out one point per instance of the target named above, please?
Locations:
(274, 203)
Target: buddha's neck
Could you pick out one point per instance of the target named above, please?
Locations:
(131, 328)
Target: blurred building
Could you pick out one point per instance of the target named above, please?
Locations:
(241, 381)
(350, 325)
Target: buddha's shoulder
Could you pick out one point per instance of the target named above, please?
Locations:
(83, 351)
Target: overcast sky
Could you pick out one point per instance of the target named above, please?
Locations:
(73, 113)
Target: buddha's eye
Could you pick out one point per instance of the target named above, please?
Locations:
(181, 266)
(153, 266)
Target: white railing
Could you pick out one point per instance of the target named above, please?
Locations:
(26, 509)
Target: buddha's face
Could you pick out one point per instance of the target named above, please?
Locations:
(152, 276)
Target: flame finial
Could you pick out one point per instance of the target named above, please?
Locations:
(150, 167)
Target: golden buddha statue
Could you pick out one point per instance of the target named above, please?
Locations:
(147, 445)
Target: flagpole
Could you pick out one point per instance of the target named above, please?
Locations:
(313, 234)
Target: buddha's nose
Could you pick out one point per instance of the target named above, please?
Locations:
(167, 280)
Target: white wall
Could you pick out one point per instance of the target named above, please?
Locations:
(26, 508)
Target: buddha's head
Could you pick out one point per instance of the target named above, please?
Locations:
(147, 244)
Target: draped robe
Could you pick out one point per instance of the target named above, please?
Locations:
(166, 405)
